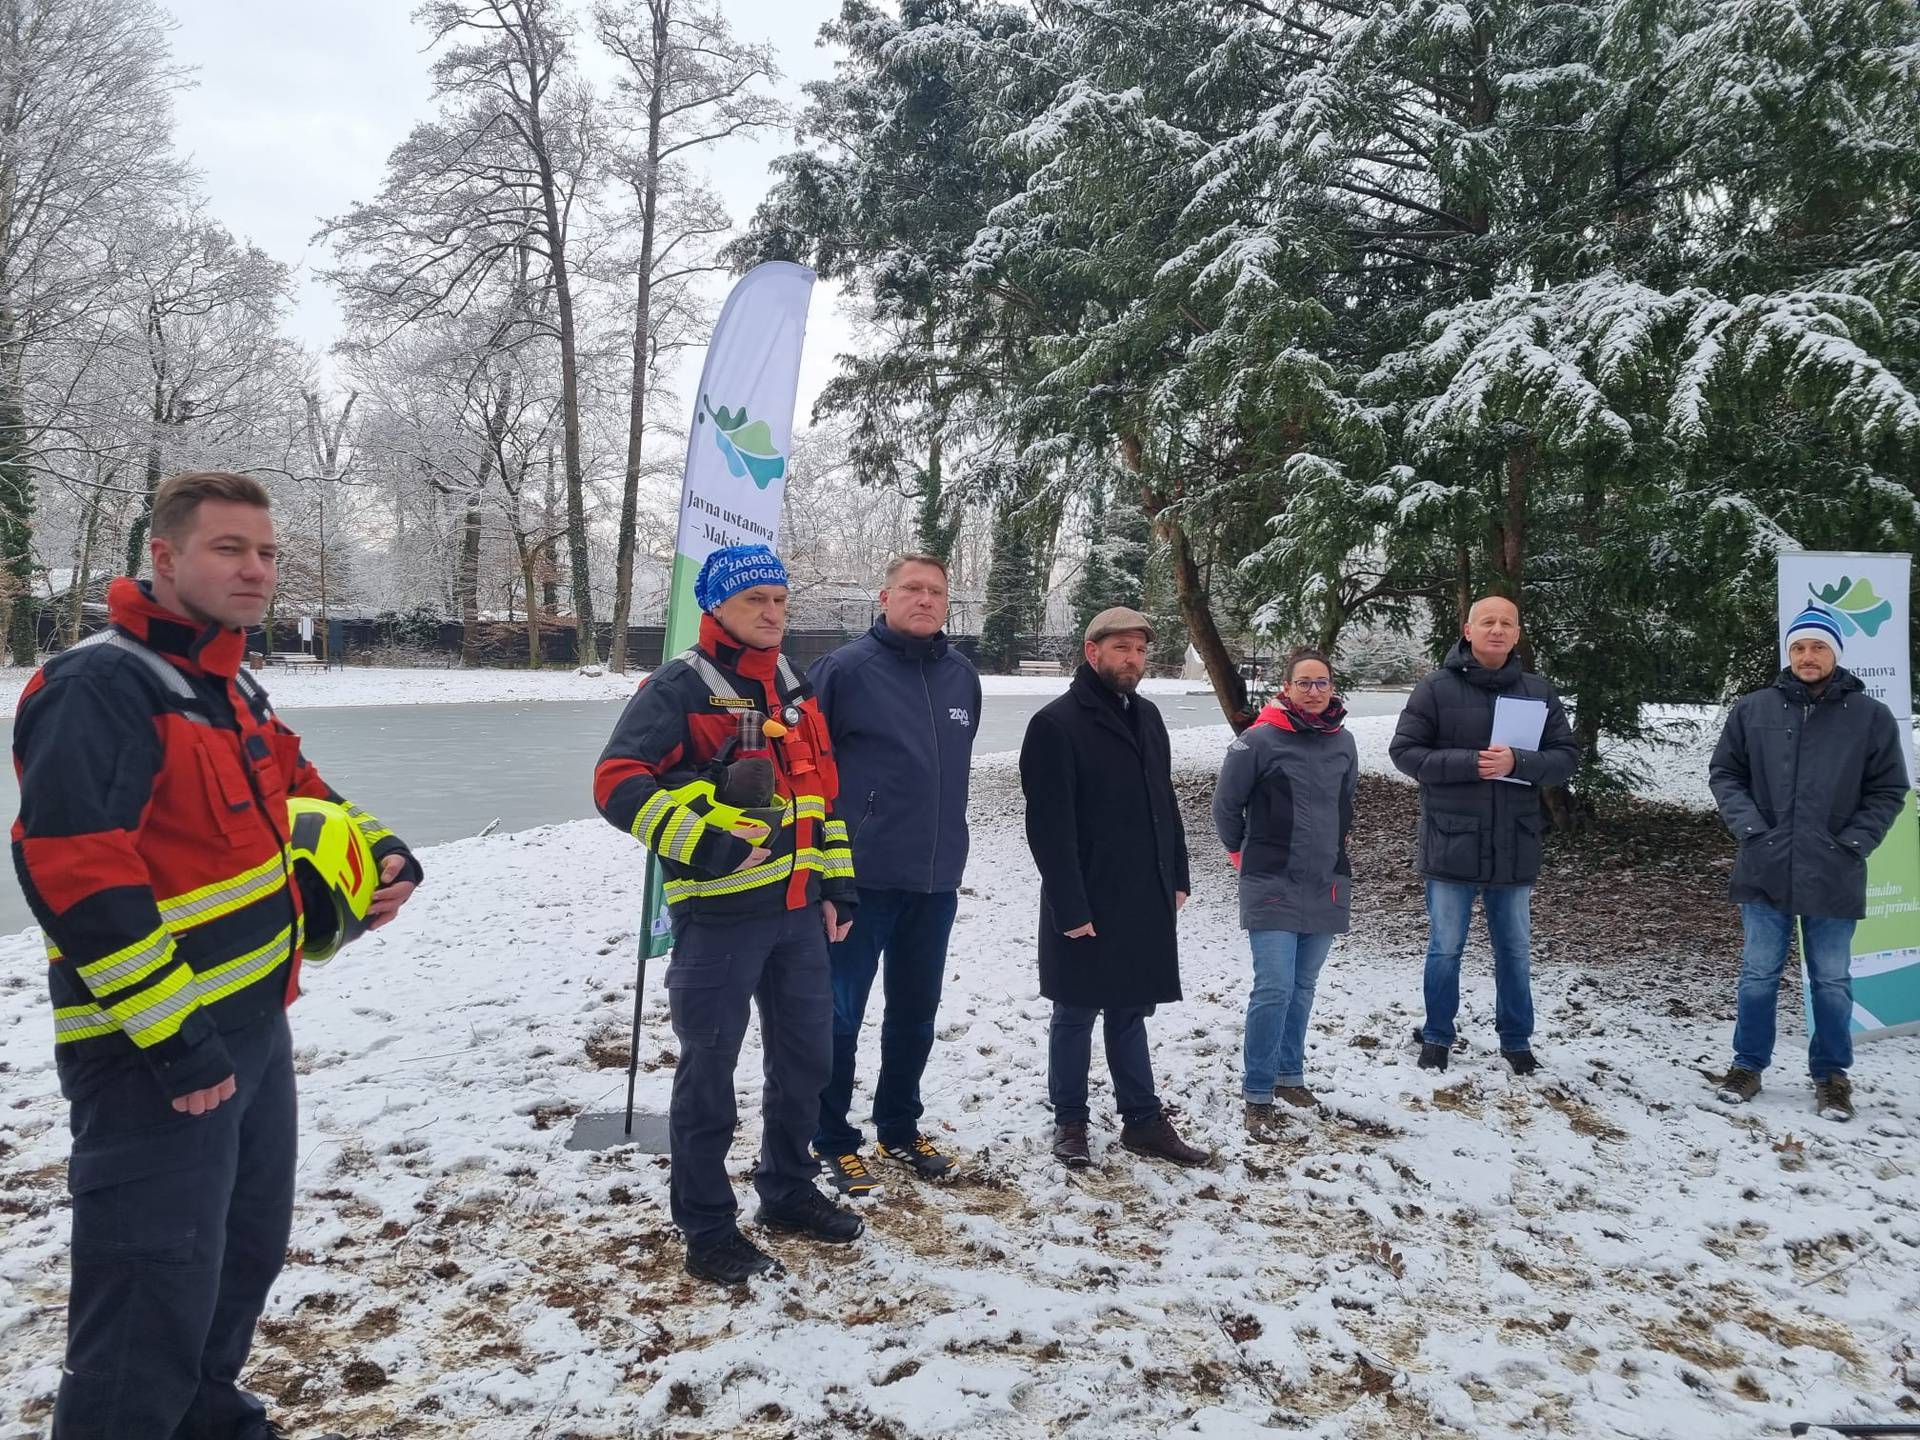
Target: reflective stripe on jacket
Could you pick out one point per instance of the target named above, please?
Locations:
(151, 843)
(670, 739)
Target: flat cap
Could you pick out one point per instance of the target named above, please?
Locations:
(1115, 620)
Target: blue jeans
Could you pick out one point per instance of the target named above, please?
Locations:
(1070, 1057)
(910, 929)
(1286, 967)
(1827, 949)
(1509, 927)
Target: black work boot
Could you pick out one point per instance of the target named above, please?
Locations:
(1070, 1145)
(730, 1260)
(813, 1215)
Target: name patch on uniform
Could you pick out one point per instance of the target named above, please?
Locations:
(731, 702)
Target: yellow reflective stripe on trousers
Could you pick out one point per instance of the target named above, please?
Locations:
(223, 897)
(128, 965)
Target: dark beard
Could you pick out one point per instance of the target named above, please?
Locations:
(1125, 686)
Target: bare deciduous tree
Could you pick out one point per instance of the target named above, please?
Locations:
(84, 160)
(493, 178)
(687, 82)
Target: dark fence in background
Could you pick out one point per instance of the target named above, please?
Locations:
(498, 643)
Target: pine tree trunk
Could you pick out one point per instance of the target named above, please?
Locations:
(936, 533)
(1332, 621)
(1512, 557)
(1229, 685)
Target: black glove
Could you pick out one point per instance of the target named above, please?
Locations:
(747, 784)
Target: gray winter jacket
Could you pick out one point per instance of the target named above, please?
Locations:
(1809, 788)
(1285, 803)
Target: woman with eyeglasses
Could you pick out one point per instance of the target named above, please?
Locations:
(1284, 808)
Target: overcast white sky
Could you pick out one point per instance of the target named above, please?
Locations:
(296, 108)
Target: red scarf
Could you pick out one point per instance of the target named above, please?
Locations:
(1283, 714)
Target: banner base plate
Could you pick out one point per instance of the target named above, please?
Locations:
(607, 1130)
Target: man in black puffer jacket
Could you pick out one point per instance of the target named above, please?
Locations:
(903, 707)
(1480, 834)
(1809, 777)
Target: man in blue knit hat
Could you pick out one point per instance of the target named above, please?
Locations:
(753, 903)
(1808, 776)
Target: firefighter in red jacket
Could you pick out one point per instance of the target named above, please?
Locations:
(753, 902)
(154, 847)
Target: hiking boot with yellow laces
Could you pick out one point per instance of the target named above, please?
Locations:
(922, 1157)
(848, 1173)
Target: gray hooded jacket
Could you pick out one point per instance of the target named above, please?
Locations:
(1285, 803)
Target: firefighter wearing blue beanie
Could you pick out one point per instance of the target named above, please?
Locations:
(733, 568)
(729, 725)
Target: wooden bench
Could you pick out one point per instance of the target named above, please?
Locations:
(1041, 667)
(298, 661)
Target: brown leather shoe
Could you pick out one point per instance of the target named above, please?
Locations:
(1263, 1124)
(1070, 1145)
(1159, 1139)
(1298, 1096)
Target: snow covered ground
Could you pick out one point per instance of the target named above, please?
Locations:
(391, 685)
(1055, 684)
(1601, 1251)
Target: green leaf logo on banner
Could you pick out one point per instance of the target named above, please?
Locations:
(747, 444)
(1855, 604)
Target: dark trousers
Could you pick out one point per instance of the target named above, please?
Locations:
(910, 930)
(778, 962)
(180, 1227)
(1070, 1057)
